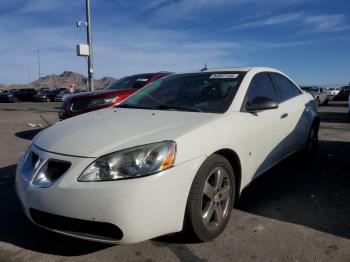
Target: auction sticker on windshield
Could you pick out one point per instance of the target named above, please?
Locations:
(231, 76)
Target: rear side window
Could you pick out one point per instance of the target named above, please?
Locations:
(285, 87)
(261, 85)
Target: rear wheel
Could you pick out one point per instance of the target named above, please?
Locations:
(312, 141)
(211, 198)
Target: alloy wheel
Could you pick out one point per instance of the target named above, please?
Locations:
(216, 198)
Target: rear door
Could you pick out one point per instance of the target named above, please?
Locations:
(292, 105)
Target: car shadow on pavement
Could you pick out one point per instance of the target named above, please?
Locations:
(334, 117)
(336, 104)
(17, 230)
(308, 190)
(311, 191)
(35, 110)
(28, 134)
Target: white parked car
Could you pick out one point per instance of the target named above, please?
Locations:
(319, 93)
(333, 91)
(175, 155)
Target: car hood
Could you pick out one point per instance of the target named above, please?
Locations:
(105, 131)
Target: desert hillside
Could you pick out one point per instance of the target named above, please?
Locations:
(63, 80)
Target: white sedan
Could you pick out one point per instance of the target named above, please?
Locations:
(176, 155)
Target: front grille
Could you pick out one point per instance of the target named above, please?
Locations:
(80, 105)
(51, 169)
(55, 169)
(50, 172)
(78, 227)
(31, 163)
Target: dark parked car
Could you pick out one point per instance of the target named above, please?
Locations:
(25, 94)
(8, 95)
(19, 95)
(343, 95)
(111, 96)
(47, 95)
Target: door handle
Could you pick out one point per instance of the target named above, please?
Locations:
(284, 115)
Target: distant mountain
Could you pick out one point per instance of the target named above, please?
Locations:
(63, 80)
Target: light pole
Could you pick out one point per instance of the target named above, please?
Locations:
(86, 50)
(89, 42)
(39, 69)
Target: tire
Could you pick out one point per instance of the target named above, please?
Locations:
(312, 141)
(206, 217)
(325, 102)
(318, 102)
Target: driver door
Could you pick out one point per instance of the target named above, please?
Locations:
(263, 135)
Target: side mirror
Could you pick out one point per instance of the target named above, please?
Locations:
(261, 103)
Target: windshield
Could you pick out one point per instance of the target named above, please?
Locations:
(63, 92)
(130, 82)
(310, 88)
(11, 91)
(198, 92)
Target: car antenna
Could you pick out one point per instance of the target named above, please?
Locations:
(205, 67)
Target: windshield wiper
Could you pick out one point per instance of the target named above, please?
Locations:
(133, 106)
(181, 108)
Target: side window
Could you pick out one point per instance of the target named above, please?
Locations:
(286, 89)
(296, 89)
(261, 85)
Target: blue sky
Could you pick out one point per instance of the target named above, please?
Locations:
(307, 39)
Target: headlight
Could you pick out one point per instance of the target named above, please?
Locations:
(130, 163)
(102, 101)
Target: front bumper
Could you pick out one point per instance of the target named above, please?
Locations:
(142, 208)
(5, 99)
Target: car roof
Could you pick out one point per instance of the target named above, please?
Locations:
(234, 69)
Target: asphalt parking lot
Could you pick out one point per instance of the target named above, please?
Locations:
(299, 211)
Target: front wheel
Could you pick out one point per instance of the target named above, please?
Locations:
(210, 200)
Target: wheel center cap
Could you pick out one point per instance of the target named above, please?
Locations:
(216, 198)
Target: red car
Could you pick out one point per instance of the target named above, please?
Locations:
(109, 97)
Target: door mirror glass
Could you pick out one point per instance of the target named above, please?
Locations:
(261, 103)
